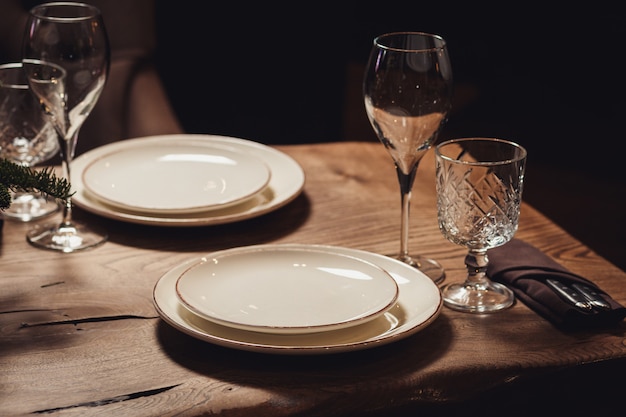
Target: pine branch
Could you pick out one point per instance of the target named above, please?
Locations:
(14, 177)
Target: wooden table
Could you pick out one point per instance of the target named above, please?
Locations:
(79, 334)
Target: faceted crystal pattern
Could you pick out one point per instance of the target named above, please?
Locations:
(478, 206)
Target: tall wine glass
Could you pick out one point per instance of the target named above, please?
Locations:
(479, 192)
(66, 57)
(26, 138)
(408, 93)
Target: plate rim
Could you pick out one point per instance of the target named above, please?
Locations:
(265, 176)
(273, 197)
(359, 319)
(399, 332)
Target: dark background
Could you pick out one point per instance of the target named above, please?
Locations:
(282, 74)
(547, 77)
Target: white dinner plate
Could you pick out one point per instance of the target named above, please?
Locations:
(419, 304)
(286, 289)
(286, 182)
(175, 178)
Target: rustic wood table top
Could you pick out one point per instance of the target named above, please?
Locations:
(80, 335)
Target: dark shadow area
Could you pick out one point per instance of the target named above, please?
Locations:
(562, 392)
(206, 238)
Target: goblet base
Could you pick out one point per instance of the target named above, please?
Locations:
(65, 237)
(26, 207)
(431, 268)
(477, 298)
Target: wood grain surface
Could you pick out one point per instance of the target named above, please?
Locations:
(79, 334)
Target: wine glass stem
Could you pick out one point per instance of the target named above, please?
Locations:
(406, 184)
(67, 153)
(476, 262)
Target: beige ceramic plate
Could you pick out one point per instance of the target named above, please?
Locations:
(286, 289)
(175, 178)
(286, 182)
(419, 304)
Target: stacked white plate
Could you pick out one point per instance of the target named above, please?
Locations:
(184, 180)
(297, 299)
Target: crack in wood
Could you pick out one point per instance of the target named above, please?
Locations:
(53, 283)
(89, 320)
(107, 401)
(26, 310)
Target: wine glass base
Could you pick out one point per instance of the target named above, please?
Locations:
(66, 238)
(431, 268)
(27, 207)
(472, 298)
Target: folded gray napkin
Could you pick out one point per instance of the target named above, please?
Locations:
(525, 270)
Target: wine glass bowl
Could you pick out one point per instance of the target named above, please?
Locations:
(479, 185)
(26, 138)
(407, 91)
(66, 57)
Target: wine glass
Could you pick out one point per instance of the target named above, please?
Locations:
(408, 92)
(26, 138)
(66, 56)
(479, 192)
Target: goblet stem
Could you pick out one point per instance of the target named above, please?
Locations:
(406, 185)
(67, 213)
(476, 262)
(68, 236)
(429, 267)
(478, 294)
(67, 154)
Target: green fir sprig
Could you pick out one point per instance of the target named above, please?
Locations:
(14, 177)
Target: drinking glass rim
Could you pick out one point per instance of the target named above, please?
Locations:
(59, 68)
(519, 157)
(13, 85)
(439, 38)
(37, 11)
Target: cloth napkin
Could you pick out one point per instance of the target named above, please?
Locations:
(524, 269)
